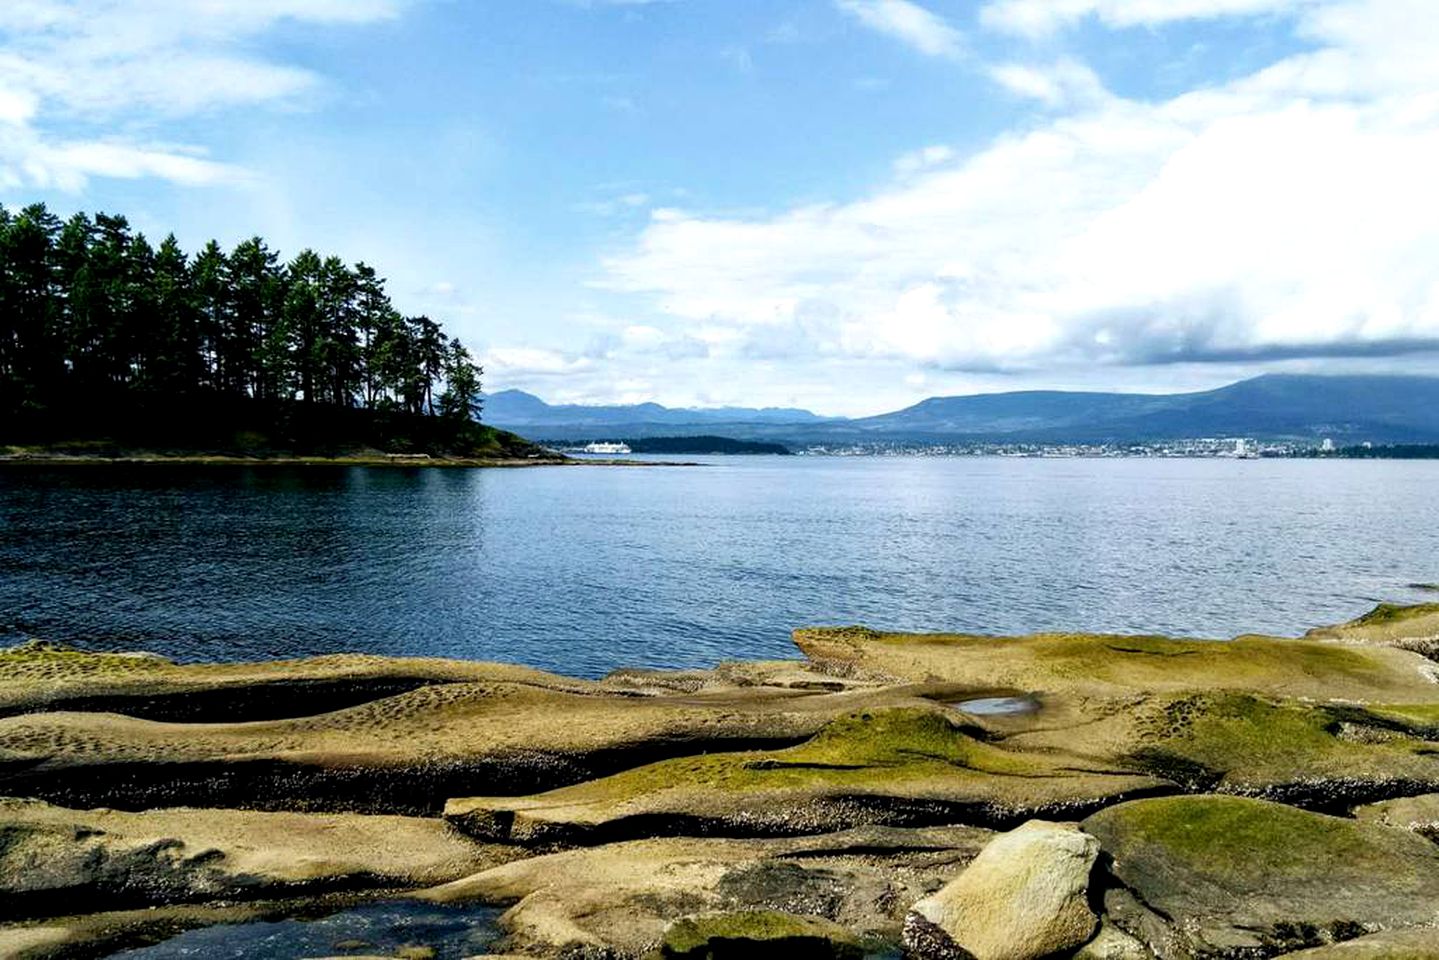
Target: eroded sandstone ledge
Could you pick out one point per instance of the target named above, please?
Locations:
(756, 806)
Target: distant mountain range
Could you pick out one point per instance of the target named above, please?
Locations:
(1348, 409)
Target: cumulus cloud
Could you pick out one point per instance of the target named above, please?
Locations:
(909, 23)
(74, 71)
(1289, 213)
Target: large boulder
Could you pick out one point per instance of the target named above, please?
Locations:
(1023, 897)
(1220, 876)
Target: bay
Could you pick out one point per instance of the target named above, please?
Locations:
(585, 569)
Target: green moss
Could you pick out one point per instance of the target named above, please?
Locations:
(1247, 740)
(40, 660)
(742, 932)
(870, 748)
(1101, 662)
(1386, 613)
(1421, 719)
(1232, 837)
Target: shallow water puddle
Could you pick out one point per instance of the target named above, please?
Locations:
(996, 706)
(376, 928)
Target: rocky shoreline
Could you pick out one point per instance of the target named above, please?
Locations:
(1077, 795)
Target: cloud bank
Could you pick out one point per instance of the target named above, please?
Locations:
(1289, 213)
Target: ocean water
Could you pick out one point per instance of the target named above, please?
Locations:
(584, 569)
(372, 929)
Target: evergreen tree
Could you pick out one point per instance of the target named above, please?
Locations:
(461, 399)
(92, 316)
(30, 296)
(210, 286)
(176, 365)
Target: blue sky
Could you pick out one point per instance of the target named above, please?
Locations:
(841, 204)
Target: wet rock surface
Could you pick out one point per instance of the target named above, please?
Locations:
(743, 934)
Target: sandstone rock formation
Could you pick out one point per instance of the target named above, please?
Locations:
(1023, 898)
(779, 806)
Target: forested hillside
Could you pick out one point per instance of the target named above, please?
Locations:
(103, 334)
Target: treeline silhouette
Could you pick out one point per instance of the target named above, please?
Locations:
(102, 333)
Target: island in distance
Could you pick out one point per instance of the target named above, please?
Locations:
(1079, 796)
(677, 446)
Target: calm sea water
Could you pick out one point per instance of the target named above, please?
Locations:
(586, 569)
(379, 929)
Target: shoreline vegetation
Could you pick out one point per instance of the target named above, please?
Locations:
(106, 340)
(1080, 796)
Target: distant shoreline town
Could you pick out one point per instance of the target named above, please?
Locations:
(1219, 448)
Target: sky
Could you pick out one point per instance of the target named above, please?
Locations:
(844, 205)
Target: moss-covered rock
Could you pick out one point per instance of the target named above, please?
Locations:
(739, 935)
(515, 731)
(1319, 756)
(1414, 628)
(898, 766)
(1386, 623)
(1211, 876)
(868, 731)
(1100, 665)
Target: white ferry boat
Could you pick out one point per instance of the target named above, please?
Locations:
(604, 447)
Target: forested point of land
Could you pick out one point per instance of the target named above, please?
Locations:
(105, 337)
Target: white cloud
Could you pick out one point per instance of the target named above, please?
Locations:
(1064, 83)
(1038, 17)
(930, 156)
(909, 23)
(515, 364)
(1290, 213)
(77, 71)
